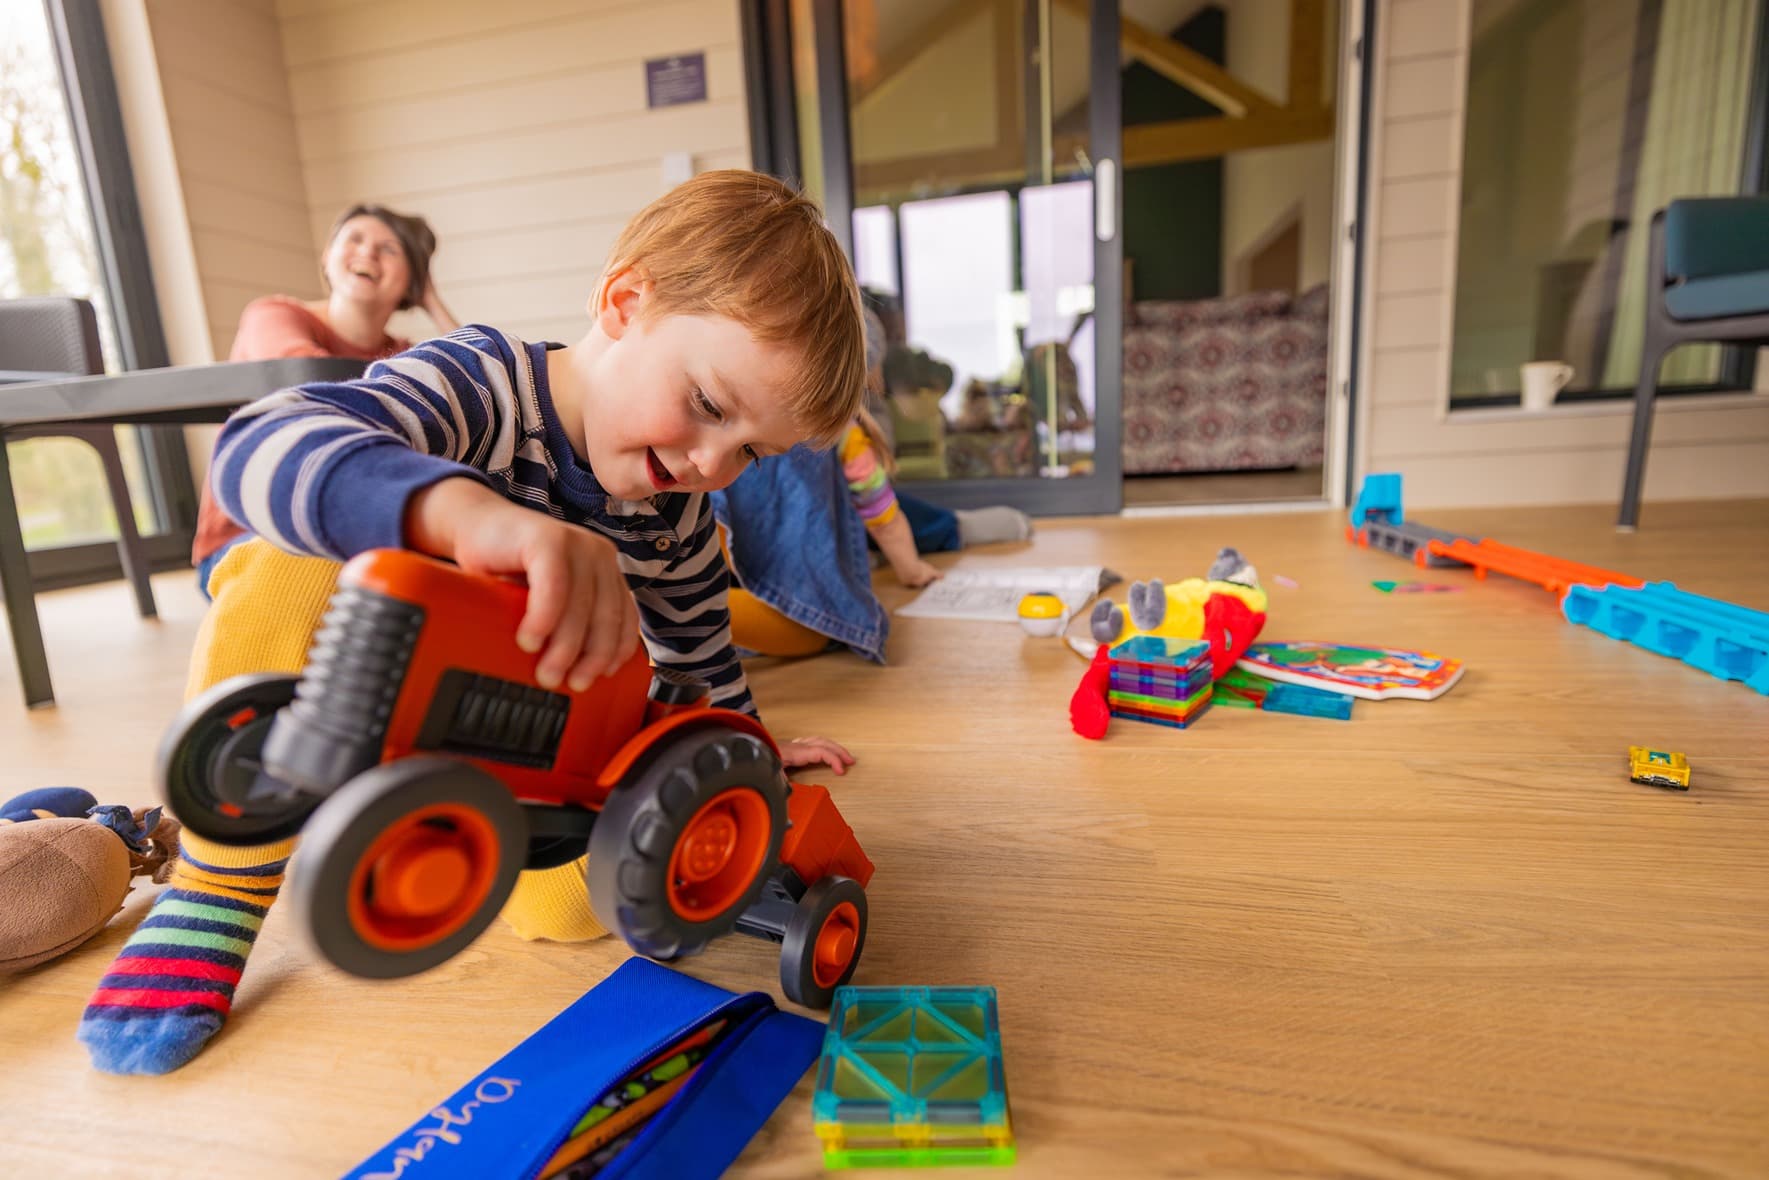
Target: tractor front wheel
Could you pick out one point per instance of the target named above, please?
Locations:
(406, 864)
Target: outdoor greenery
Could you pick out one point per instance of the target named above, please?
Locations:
(46, 248)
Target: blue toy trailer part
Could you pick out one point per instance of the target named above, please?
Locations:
(1378, 499)
(1307, 702)
(1720, 638)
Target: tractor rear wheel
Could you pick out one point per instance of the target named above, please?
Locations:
(681, 850)
(210, 764)
(823, 941)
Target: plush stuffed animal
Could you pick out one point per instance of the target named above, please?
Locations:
(1226, 609)
(65, 868)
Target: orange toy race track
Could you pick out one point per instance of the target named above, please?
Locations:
(1550, 573)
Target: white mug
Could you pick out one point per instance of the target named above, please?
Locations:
(1542, 380)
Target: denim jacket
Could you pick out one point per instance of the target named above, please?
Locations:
(798, 545)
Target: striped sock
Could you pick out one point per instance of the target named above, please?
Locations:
(172, 984)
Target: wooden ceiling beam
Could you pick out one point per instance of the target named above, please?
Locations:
(1184, 66)
(932, 31)
(1207, 139)
(1308, 44)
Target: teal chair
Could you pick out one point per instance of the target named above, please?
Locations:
(1707, 281)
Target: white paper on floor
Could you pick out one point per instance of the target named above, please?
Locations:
(993, 595)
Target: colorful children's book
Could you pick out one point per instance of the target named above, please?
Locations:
(1373, 673)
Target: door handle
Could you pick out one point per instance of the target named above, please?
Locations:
(1105, 199)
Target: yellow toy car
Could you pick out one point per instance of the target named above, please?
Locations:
(1657, 768)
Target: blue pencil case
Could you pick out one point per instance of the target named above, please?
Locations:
(514, 1117)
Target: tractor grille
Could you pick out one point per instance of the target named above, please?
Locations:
(500, 720)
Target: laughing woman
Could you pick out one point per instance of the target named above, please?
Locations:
(376, 262)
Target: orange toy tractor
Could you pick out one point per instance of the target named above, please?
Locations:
(425, 769)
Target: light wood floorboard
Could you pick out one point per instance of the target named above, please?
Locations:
(1443, 939)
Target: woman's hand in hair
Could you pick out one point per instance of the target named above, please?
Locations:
(437, 310)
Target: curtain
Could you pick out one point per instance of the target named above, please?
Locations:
(1696, 125)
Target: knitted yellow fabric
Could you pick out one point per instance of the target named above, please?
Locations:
(267, 606)
(224, 856)
(553, 904)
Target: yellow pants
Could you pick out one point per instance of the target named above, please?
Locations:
(268, 604)
(762, 629)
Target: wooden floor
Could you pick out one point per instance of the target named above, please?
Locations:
(1443, 939)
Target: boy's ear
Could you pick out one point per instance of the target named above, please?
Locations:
(617, 302)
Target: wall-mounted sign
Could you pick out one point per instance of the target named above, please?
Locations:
(671, 81)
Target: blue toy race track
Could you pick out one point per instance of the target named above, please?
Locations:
(1721, 639)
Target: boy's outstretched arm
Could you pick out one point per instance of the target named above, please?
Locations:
(399, 459)
(326, 469)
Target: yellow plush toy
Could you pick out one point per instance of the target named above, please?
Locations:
(1226, 608)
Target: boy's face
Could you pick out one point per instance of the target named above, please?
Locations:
(678, 402)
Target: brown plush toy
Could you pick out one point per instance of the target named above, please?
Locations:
(66, 866)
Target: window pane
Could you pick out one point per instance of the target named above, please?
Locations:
(875, 249)
(1056, 252)
(969, 127)
(958, 285)
(1583, 118)
(47, 248)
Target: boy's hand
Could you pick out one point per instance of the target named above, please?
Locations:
(581, 617)
(816, 751)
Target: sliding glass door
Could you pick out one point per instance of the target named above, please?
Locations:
(971, 154)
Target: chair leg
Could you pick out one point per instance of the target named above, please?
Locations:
(129, 546)
(1650, 358)
(21, 598)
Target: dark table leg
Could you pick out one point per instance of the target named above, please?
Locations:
(21, 599)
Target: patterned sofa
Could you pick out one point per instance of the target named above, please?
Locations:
(1227, 384)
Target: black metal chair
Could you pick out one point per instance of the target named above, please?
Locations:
(48, 338)
(1707, 281)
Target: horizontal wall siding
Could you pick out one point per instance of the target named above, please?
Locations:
(1407, 430)
(1700, 449)
(1585, 476)
(520, 131)
(232, 127)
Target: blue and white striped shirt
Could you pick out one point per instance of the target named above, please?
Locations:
(326, 469)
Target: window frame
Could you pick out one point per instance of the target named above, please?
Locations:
(83, 64)
(1738, 363)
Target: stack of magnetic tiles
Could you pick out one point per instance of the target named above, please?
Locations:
(1161, 681)
(912, 1077)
